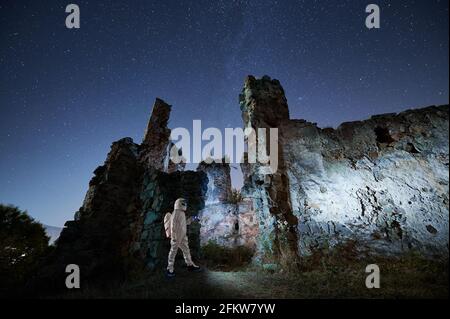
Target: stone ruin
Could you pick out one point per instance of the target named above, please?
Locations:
(382, 183)
(223, 221)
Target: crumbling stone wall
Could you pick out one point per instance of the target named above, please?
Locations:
(382, 182)
(248, 225)
(218, 224)
(102, 233)
(159, 192)
(229, 224)
(119, 228)
(219, 181)
(156, 143)
(224, 222)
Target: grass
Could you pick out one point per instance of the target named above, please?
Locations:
(325, 274)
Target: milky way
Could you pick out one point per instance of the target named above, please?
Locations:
(66, 94)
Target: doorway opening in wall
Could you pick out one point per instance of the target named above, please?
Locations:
(237, 177)
(237, 181)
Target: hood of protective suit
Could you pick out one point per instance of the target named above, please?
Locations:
(180, 204)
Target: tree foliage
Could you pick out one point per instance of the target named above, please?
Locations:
(23, 243)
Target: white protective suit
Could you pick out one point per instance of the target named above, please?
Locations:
(178, 237)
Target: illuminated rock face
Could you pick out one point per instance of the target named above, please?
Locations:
(218, 225)
(248, 227)
(219, 182)
(223, 222)
(263, 105)
(229, 225)
(382, 183)
(219, 217)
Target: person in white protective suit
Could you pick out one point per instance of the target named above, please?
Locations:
(175, 225)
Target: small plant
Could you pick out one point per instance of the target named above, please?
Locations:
(235, 197)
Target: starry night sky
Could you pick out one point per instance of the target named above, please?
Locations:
(66, 95)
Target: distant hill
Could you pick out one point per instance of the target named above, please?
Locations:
(52, 232)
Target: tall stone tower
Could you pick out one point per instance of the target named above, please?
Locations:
(156, 143)
(263, 105)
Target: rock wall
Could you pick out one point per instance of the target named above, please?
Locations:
(218, 225)
(119, 228)
(248, 225)
(218, 217)
(156, 143)
(159, 192)
(224, 221)
(263, 105)
(103, 231)
(382, 183)
(219, 181)
(229, 225)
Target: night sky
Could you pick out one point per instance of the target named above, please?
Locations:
(67, 94)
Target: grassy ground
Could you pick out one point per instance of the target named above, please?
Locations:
(319, 277)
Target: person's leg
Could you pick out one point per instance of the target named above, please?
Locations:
(184, 246)
(172, 254)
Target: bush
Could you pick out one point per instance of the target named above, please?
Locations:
(23, 243)
(225, 258)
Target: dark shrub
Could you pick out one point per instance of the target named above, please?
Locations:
(224, 258)
(23, 243)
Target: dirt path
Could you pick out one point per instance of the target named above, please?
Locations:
(334, 283)
(220, 284)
